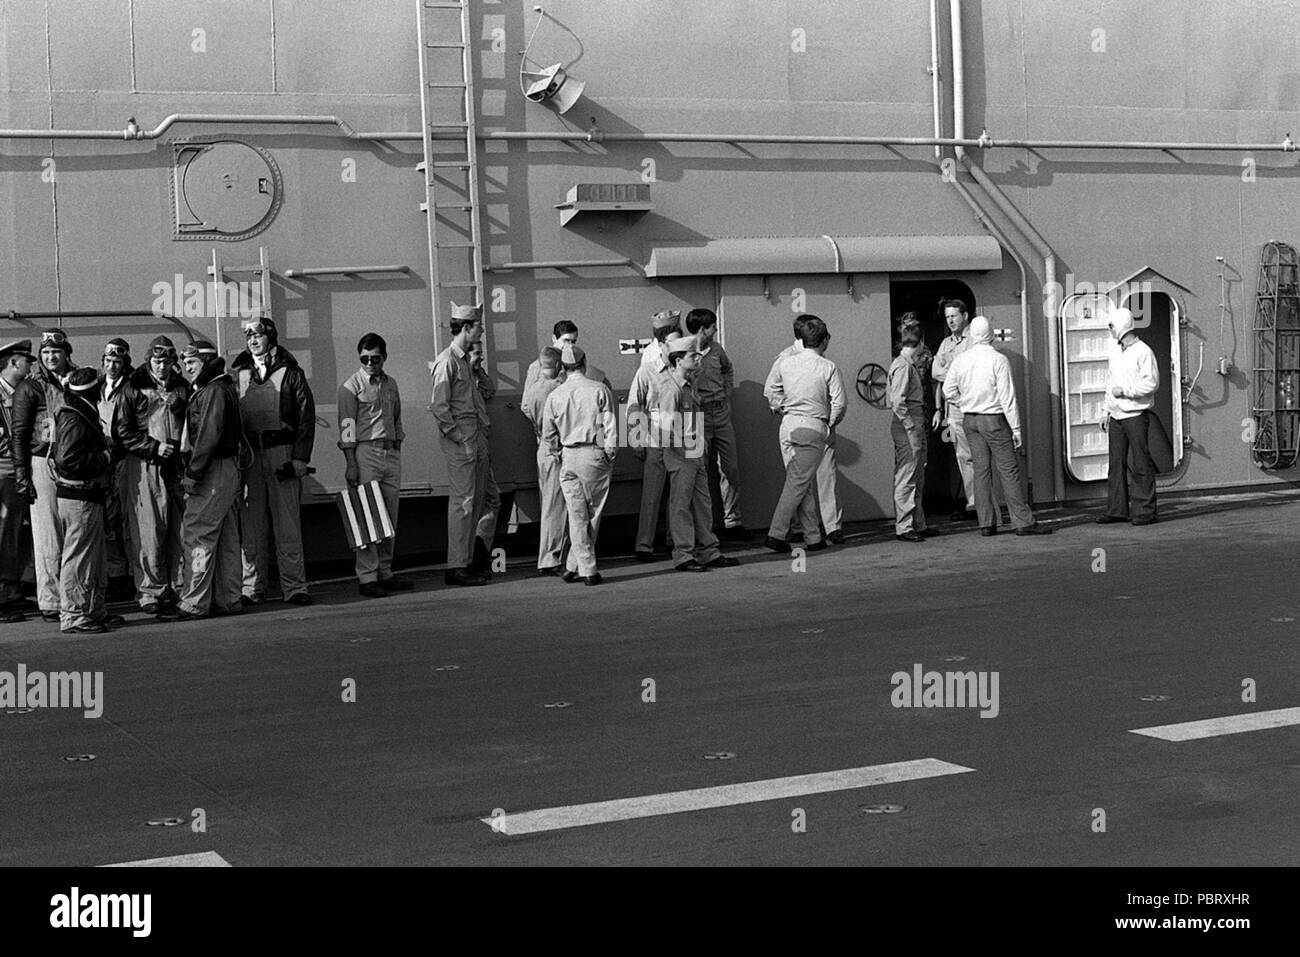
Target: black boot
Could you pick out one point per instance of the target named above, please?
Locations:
(482, 561)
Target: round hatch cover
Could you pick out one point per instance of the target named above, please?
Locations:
(224, 190)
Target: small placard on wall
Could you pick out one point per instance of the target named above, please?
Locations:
(632, 347)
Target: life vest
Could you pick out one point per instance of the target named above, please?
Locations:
(259, 402)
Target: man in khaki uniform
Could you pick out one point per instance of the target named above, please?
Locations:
(714, 383)
(553, 529)
(832, 517)
(485, 529)
(806, 389)
(213, 437)
(954, 314)
(681, 436)
(907, 428)
(370, 436)
(461, 415)
(580, 429)
(279, 418)
(643, 418)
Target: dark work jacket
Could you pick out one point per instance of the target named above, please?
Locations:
(297, 405)
(126, 429)
(80, 451)
(148, 398)
(212, 419)
(31, 425)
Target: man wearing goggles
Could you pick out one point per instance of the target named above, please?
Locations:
(153, 477)
(116, 402)
(279, 416)
(36, 399)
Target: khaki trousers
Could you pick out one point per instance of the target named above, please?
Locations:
(468, 471)
(827, 474)
(47, 535)
(376, 464)
(584, 477)
(653, 477)
(909, 472)
(723, 458)
(690, 509)
(271, 510)
(211, 542)
(154, 505)
(803, 445)
(554, 530)
(84, 571)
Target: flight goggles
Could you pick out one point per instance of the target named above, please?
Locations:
(114, 351)
(54, 336)
(162, 352)
(256, 329)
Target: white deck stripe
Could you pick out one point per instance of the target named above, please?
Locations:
(676, 802)
(204, 859)
(381, 510)
(1229, 724)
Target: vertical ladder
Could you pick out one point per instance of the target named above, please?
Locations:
(450, 167)
(218, 271)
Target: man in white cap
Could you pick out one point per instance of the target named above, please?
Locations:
(213, 437)
(979, 382)
(553, 524)
(681, 436)
(36, 399)
(461, 415)
(643, 430)
(807, 391)
(279, 416)
(15, 363)
(832, 518)
(580, 428)
(154, 499)
(907, 428)
(83, 470)
(1131, 386)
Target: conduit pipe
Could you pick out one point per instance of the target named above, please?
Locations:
(13, 316)
(1041, 247)
(984, 142)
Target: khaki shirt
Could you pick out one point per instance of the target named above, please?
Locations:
(807, 384)
(457, 406)
(580, 412)
(906, 392)
(716, 376)
(369, 408)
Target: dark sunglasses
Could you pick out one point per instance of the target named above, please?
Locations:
(371, 360)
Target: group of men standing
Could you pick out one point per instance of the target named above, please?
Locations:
(178, 474)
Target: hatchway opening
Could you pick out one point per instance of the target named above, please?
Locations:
(1155, 316)
(943, 485)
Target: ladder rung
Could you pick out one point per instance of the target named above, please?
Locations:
(447, 164)
(457, 285)
(436, 45)
(459, 125)
(454, 245)
(453, 205)
(445, 86)
(443, 6)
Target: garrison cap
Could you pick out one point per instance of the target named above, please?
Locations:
(19, 347)
(684, 344)
(572, 355)
(666, 319)
(464, 313)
